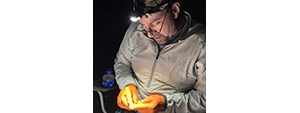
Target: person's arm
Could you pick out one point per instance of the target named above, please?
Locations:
(193, 101)
(122, 66)
(123, 71)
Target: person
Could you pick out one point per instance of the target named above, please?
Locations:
(160, 65)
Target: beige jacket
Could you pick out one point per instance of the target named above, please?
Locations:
(177, 70)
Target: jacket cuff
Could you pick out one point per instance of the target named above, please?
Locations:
(165, 103)
(125, 81)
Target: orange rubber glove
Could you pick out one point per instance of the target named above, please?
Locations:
(151, 104)
(127, 96)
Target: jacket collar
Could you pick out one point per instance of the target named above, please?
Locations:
(180, 35)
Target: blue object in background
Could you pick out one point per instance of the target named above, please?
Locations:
(108, 79)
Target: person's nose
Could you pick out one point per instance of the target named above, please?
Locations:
(150, 34)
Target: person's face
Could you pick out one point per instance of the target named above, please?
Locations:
(159, 26)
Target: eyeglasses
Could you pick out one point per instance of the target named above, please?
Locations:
(152, 28)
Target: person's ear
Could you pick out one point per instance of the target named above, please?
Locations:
(175, 9)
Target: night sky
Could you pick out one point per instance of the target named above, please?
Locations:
(110, 21)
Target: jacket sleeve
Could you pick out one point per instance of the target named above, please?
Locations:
(193, 101)
(122, 64)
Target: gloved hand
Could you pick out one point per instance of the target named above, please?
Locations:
(151, 104)
(127, 96)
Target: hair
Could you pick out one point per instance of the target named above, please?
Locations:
(151, 3)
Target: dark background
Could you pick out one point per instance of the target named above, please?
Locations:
(110, 21)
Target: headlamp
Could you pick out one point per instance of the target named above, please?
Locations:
(134, 18)
(140, 9)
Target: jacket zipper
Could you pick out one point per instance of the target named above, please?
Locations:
(152, 70)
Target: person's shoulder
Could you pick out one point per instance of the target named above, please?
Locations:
(132, 26)
(131, 29)
(197, 28)
(198, 31)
